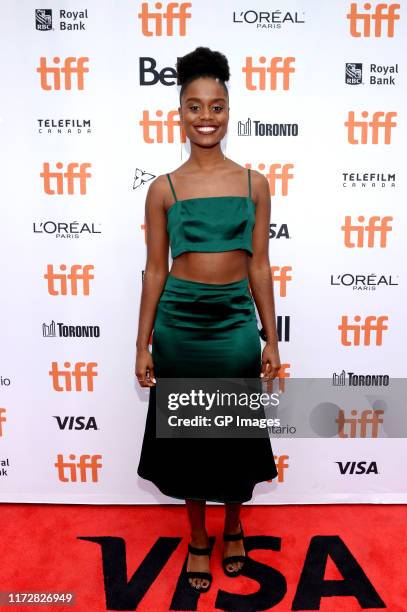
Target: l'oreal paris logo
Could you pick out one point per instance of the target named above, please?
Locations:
(268, 20)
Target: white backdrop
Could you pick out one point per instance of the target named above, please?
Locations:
(50, 119)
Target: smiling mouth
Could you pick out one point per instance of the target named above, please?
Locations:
(206, 129)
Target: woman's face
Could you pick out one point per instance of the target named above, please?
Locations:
(204, 104)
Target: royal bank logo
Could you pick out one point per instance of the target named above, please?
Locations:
(377, 74)
(353, 74)
(66, 20)
(43, 19)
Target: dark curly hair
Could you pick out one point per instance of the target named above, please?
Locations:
(202, 62)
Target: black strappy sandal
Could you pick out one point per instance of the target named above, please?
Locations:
(234, 558)
(199, 551)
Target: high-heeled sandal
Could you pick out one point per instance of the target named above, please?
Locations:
(234, 558)
(206, 575)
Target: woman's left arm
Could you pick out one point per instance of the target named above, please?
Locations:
(260, 278)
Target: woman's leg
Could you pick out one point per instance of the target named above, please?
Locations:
(199, 538)
(232, 526)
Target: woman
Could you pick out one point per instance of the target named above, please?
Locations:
(215, 215)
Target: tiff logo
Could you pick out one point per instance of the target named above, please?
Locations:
(280, 275)
(357, 427)
(84, 470)
(67, 380)
(67, 283)
(277, 173)
(71, 66)
(377, 126)
(266, 77)
(352, 334)
(376, 226)
(175, 13)
(55, 181)
(382, 13)
(163, 129)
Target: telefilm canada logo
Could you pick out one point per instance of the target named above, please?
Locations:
(378, 74)
(358, 179)
(253, 127)
(67, 20)
(63, 126)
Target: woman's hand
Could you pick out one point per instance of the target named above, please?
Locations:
(270, 362)
(145, 368)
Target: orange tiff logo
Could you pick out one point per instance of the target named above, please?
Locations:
(352, 334)
(357, 427)
(382, 13)
(277, 173)
(376, 227)
(280, 274)
(68, 282)
(376, 125)
(84, 470)
(266, 77)
(64, 379)
(175, 12)
(58, 77)
(58, 182)
(281, 465)
(162, 130)
(2, 420)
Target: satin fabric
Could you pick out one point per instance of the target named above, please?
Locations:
(211, 224)
(205, 330)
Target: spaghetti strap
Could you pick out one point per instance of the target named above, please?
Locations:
(172, 188)
(250, 182)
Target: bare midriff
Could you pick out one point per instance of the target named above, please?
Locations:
(219, 268)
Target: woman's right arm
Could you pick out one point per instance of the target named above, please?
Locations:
(155, 274)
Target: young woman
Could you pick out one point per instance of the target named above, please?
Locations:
(215, 216)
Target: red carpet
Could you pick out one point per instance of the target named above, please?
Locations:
(329, 558)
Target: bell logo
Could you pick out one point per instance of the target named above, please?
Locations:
(161, 127)
(68, 282)
(382, 13)
(377, 125)
(357, 427)
(60, 77)
(66, 380)
(280, 274)
(376, 226)
(260, 78)
(54, 182)
(372, 326)
(169, 17)
(72, 471)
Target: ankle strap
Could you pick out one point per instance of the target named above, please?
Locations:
(231, 537)
(198, 551)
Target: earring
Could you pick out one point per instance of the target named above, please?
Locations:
(181, 150)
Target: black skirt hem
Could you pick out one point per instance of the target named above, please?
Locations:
(224, 500)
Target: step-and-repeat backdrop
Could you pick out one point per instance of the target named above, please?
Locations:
(89, 116)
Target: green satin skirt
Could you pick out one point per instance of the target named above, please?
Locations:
(205, 330)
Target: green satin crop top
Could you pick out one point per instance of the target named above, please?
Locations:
(211, 224)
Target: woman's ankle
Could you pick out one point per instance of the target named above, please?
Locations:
(199, 538)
